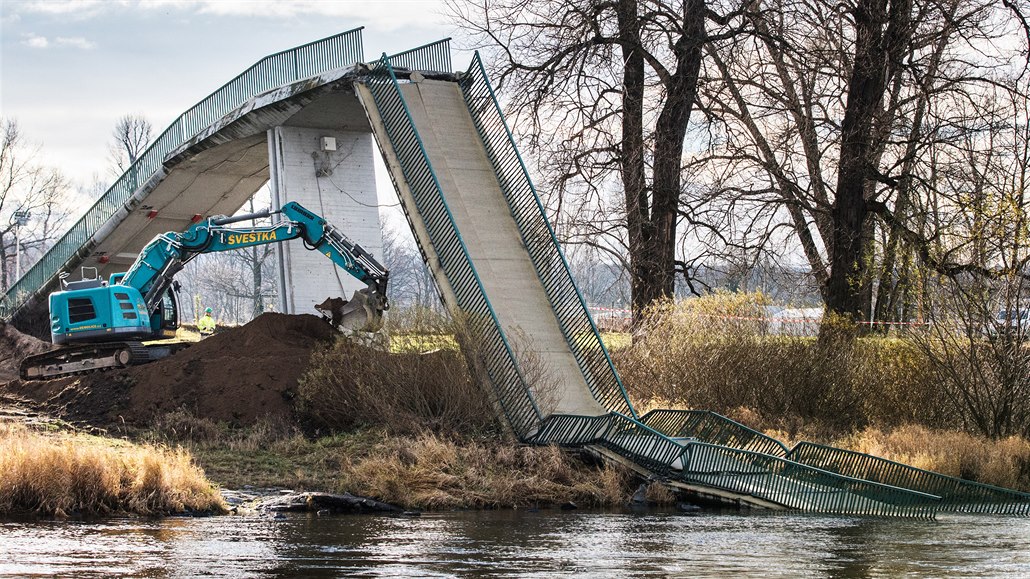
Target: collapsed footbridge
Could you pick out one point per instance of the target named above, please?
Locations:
(484, 232)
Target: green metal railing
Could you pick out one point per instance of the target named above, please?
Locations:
(798, 486)
(742, 472)
(432, 57)
(271, 72)
(619, 433)
(492, 346)
(551, 266)
(707, 426)
(956, 494)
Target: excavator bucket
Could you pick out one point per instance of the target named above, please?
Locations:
(362, 313)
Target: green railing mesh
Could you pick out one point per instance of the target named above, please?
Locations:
(707, 426)
(620, 434)
(798, 486)
(271, 72)
(551, 266)
(956, 494)
(432, 57)
(770, 478)
(491, 345)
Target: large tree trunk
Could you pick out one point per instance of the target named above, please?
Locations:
(632, 154)
(652, 235)
(879, 34)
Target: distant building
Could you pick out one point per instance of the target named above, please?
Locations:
(784, 321)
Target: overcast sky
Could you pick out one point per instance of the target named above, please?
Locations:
(69, 69)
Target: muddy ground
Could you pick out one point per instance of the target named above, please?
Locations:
(236, 376)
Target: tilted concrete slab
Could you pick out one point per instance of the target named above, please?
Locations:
(493, 242)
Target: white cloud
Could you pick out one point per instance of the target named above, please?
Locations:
(76, 42)
(34, 40)
(382, 14)
(66, 7)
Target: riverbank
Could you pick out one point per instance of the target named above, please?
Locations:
(181, 465)
(65, 473)
(425, 471)
(279, 403)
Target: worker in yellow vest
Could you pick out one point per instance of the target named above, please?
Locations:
(206, 325)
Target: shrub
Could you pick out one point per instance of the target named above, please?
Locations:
(349, 386)
(714, 353)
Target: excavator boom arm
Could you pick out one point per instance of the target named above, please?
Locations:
(162, 258)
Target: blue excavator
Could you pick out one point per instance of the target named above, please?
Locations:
(103, 325)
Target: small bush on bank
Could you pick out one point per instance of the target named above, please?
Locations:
(349, 386)
(65, 474)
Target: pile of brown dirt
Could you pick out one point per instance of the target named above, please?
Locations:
(14, 346)
(236, 376)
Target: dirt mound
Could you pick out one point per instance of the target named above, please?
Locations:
(237, 376)
(14, 346)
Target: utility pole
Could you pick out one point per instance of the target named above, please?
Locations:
(21, 219)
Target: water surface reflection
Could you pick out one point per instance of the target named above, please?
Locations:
(510, 543)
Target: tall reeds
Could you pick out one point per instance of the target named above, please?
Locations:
(75, 474)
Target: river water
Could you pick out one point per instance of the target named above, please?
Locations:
(520, 543)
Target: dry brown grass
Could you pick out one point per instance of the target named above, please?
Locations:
(1004, 462)
(75, 474)
(431, 472)
(422, 470)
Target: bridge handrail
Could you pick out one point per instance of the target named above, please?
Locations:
(538, 236)
(290, 65)
(714, 428)
(771, 478)
(432, 57)
(801, 486)
(956, 494)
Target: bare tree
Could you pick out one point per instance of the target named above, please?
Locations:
(411, 282)
(817, 118)
(253, 259)
(132, 134)
(616, 83)
(29, 188)
(823, 122)
(237, 284)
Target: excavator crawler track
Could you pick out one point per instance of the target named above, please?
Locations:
(89, 358)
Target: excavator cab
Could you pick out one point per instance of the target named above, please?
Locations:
(93, 310)
(168, 320)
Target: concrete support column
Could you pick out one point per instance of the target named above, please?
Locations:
(330, 172)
